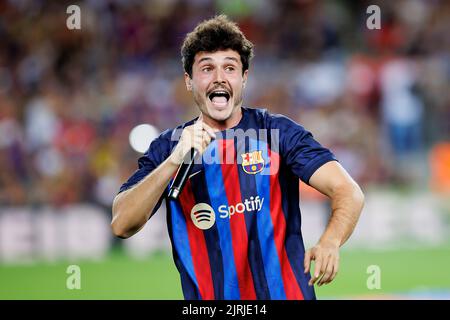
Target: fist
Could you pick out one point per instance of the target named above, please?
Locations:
(198, 136)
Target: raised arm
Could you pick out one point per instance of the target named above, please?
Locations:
(132, 208)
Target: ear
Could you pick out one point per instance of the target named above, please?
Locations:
(188, 81)
(245, 77)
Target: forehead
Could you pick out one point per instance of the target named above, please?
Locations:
(219, 56)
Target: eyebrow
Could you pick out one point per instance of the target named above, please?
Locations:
(226, 58)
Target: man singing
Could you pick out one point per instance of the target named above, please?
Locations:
(236, 227)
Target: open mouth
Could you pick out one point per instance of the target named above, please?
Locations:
(219, 97)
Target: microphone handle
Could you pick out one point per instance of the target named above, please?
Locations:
(182, 174)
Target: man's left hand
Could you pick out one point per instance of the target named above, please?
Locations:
(326, 257)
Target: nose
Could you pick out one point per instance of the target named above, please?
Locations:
(219, 76)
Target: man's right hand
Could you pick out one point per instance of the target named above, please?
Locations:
(197, 136)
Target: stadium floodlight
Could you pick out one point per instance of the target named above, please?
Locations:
(141, 136)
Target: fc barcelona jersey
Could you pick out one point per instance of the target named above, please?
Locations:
(235, 229)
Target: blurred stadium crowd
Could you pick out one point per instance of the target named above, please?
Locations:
(69, 98)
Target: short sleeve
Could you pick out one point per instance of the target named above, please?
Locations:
(155, 155)
(300, 151)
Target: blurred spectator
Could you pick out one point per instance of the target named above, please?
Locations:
(69, 98)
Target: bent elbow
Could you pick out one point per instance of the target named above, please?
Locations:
(126, 221)
(119, 231)
(117, 226)
(352, 192)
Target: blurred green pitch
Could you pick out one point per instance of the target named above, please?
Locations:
(121, 277)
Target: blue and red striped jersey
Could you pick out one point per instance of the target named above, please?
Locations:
(236, 228)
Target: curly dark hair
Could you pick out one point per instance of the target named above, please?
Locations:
(218, 33)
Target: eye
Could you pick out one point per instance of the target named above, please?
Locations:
(230, 68)
(206, 69)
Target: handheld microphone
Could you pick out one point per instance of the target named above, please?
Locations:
(182, 174)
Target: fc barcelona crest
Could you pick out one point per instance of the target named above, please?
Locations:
(252, 162)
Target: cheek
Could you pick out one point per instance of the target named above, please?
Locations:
(202, 86)
(202, 79)
(237, 86)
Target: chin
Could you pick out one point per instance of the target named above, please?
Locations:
(220, 115)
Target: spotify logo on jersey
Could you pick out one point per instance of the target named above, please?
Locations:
(203, 216)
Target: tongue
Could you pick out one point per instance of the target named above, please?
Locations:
(219, 100)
